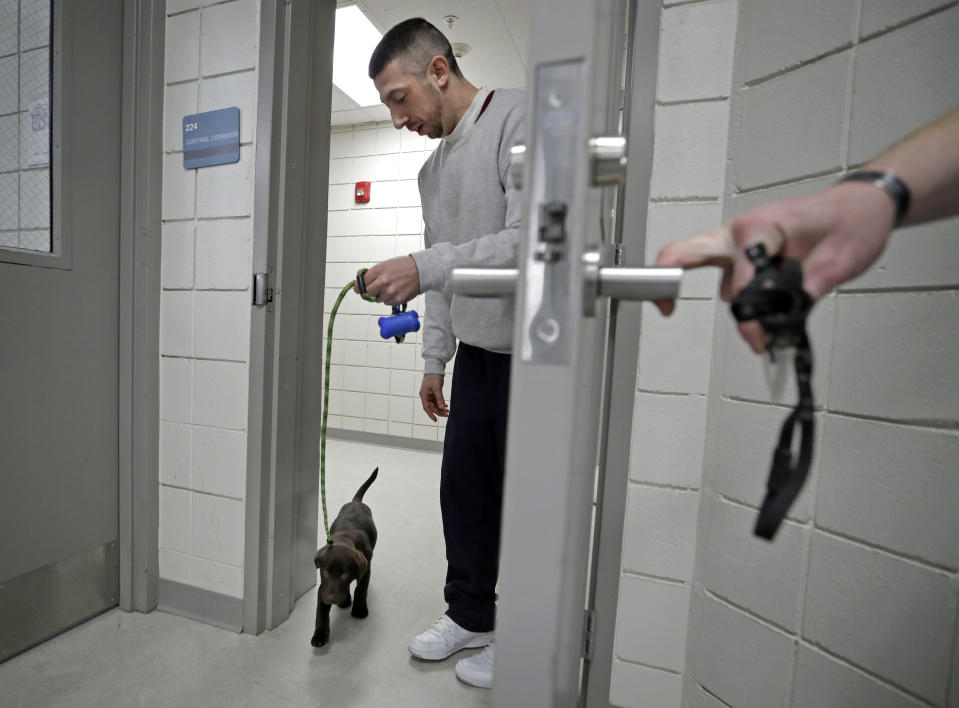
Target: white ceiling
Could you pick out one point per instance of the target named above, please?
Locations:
(497, 31)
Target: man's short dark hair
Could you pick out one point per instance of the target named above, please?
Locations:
(413, 42)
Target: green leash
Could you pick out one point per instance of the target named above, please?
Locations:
(326, 393)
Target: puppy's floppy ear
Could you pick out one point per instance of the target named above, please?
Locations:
(362, 565)
(318, 558)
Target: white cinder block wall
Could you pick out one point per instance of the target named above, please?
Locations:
(374, 383)
(669, 421)
(211, 55)
(855, 603)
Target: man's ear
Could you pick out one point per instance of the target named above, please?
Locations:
(439, 70)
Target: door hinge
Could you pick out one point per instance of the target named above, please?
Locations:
(589, 630)
(263, 290)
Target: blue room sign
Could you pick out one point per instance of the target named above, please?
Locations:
(211, 138)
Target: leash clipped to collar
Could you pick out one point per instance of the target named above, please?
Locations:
(775, 297)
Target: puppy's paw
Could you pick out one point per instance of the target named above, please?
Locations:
(360, 610)
(347, 602)
(320, 639)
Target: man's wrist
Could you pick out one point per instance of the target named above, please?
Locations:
(887, 182)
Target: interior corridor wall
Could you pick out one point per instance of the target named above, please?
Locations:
(211, 59)
(669, 418)
(855, 603)
(375, 383)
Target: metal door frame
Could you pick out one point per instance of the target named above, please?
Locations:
(286, 337)
(144, 30)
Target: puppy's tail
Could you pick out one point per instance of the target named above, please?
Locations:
(366, 485)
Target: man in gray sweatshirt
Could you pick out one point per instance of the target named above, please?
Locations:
(472, 214)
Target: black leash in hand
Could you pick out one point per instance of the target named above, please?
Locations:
(775, 297)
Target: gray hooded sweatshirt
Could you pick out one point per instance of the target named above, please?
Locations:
(472, 213)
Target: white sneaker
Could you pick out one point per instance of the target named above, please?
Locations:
(477, 670)
(444, 638)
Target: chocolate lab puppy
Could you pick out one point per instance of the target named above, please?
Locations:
(344, 559)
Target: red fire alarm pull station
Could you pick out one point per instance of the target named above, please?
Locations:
(362, 192)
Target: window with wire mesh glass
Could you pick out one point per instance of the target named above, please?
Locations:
(25, 112)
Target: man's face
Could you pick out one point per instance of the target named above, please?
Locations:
(414, 102)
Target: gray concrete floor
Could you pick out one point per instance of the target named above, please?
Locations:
(159, 660)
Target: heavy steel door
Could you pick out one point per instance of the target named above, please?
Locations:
(569, 347)
(59, 313)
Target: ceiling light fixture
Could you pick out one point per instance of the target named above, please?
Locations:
(354, 40)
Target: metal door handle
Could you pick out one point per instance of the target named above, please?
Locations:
(611, 281)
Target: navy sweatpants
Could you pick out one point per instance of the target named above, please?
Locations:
(471, 484)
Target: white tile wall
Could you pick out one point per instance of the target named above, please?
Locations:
(822, 682)
(205, 303)
(376, 383)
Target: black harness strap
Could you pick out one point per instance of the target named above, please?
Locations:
(776, 298)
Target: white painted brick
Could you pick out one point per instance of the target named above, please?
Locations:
(402, 429)
(410, 164)
(34, 76)
(9, 12)
(224, 254)
(668, 222)
(696, 51)
(364, 169)
(409, 220)
(219, 462)
(341, 143)
(424, 432)
(35, 199)
(640, 686)
(892, 486)
(401, 409)
(917, 257)
(401, 383)
(179, 189)
(220, 394)
(890, 616)
(34, 24)
(237, 90)
(403, 356)
(675, 352)
(174, 566)
(747, 435)
(388, 139)
(175, 6)
(218, 529)
(750, 572)
(695, 697)
(175, 453)
(384, 222)
(409, 244)
(689, 158)
(364, 142)
(878, 15)
(913, 69)
(744, 663)
(377, 406)
(386, 167)
(226, 190)
(668, 440)
(823, 682)
(341, 170)
(176, 262)
(228, 41)
(176, 323)
(338, 223)
(176, 390)
(178, 101)
(781, 33)
(222, 325)
(781, 139)
(411, 142)
(175, 514)
(216, 577)
(349, 423)
(912, 374)
(652, 617)
(380, 427)
(758, 378)
(182, 52)
(354, 404)
(354, 378)
(341, 196)
(378, 355)
(660, 532)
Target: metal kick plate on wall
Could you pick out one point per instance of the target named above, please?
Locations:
(552, 205)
